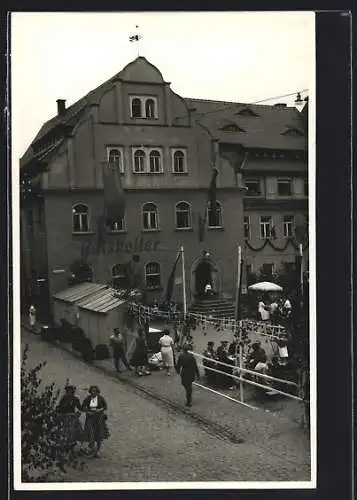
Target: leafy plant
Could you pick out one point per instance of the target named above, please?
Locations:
(44, 444)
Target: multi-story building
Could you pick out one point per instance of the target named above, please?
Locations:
(268, 146)
(165, 147)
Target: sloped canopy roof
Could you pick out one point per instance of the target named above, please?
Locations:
(78, 292)
(101, 301)
(264, 130)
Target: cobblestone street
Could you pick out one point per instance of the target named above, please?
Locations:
(152, 440)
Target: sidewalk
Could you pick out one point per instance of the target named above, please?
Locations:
(274, 436)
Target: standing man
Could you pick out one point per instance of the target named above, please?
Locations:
(187, 367)
(32, 315)
(116, 342)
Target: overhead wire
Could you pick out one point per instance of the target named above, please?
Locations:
(237, 104)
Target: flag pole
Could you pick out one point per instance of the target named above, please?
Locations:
(183, 282)
(238, 282)
(301, 276)
(238, 290)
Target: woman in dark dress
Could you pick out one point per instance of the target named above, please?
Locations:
(95, 427)
(69, 409)
(139, 358)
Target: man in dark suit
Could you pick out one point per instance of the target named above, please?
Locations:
(187, 367)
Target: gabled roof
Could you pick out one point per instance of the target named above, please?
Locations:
(74, 112)
(263, 129)
(262, 125)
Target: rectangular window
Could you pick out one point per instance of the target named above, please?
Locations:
(150, 220)
(265, 226)
(80, 223)
(120, 277)
(183, 219)
(306, 187)
(253, 186)
(246, 228)
(284, 187)
(117, 226)
(288, 223)
(289, 267)
(248, 270)
(153, 274)
(268, 269)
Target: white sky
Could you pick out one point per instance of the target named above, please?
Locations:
(233, 56)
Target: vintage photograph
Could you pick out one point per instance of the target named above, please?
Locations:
(163, 222)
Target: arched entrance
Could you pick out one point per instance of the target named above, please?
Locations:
(204, 271)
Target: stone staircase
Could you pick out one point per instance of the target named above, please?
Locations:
(218, 307)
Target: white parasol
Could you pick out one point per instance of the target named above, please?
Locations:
(265, 286)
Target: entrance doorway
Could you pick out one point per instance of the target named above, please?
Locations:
(203, 276)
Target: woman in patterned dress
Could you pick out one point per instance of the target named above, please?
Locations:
(69, 409)
(95, 427)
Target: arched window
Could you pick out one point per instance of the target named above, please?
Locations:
(136, 108)
(150, 218)
(152, 274)
(80, 218)
(150, 108)
(155, 161)
(179, 162)
(215, 220)
(183, 215)
(115, 157)
(120, 278)
(139, 161)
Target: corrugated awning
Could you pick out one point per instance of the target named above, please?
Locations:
(101, 301)
(78, 292)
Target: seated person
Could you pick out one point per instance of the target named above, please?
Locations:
(257, 359)
(208, 290)
(222, 355)
(283, 353)
(210, 353)
(233, 349)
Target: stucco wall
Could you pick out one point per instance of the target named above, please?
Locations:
(160, 246)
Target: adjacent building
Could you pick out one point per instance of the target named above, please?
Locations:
(165, 147)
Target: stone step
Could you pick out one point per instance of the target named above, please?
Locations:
(218, 305)
(213, 304)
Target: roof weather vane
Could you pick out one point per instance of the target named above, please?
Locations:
(136, 38)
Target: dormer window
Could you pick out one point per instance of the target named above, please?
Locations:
(231, 127)
(144, 107)
(292, 132)
(246, 112)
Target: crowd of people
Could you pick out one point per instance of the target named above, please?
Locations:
(277, 310)
(221, 364)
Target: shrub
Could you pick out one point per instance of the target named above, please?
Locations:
(87, 350)
(43, 442)
(102, 352)
(78, 337)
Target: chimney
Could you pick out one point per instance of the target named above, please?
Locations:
(61, 106)
(280, 105)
